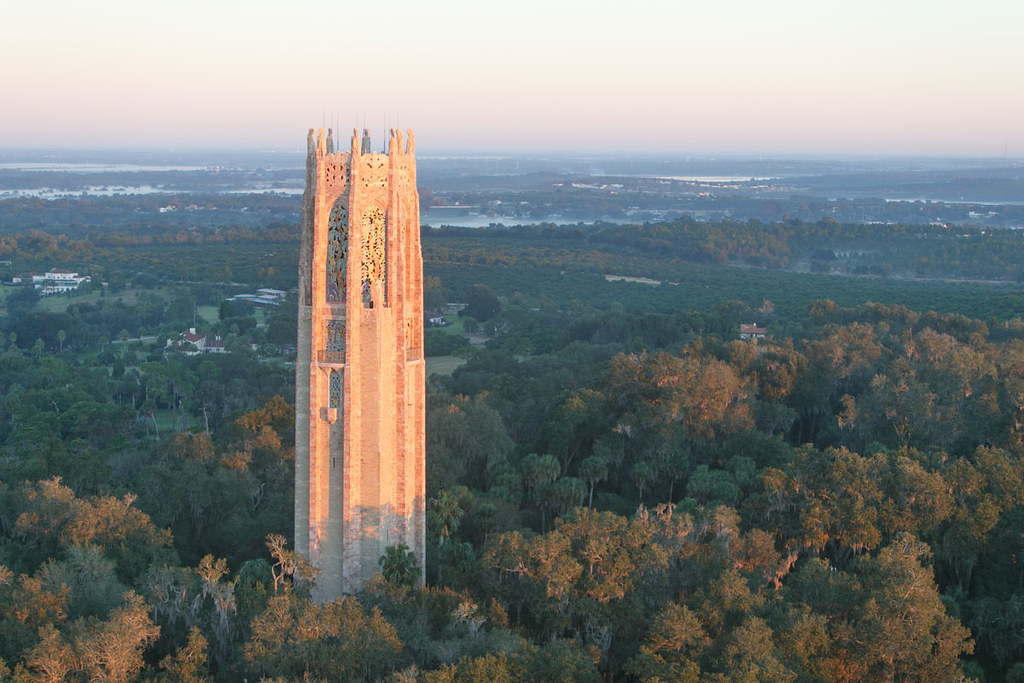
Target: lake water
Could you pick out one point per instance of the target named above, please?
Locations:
(91, 191)
(95, 168)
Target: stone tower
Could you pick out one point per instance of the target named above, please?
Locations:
(359, 396)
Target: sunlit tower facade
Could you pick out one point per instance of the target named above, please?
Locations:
(360, 373)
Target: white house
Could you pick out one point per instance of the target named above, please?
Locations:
(58, 280)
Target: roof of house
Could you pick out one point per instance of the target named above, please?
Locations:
(752, 329)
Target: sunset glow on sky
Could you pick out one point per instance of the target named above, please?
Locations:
(731, 77)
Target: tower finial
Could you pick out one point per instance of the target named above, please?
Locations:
(367, 148)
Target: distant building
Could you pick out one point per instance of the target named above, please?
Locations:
(191, 343)
(56, 281)
(263, 297)
(752, 331)
(434, 319)
(215, 345)
(452, 308)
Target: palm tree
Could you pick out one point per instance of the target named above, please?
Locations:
(593, 470)
(398, 565)
(444, 515)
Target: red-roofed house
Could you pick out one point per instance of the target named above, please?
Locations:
(215, 345)
(752, 331)
(192, 343)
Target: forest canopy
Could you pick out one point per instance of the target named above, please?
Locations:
(618, 486)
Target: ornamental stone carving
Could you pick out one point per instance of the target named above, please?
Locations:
(374, 263)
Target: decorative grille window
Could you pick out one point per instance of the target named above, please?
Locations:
(374, 264)
(337, 251)
(335, 389)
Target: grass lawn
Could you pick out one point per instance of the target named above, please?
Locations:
(455, 325)
(208, 313)
(443, 365)
(168, 421)
(60, 302)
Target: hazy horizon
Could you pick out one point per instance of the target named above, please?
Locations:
(793, 77)
(426, 152)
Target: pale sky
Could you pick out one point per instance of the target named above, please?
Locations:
(936, 77)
